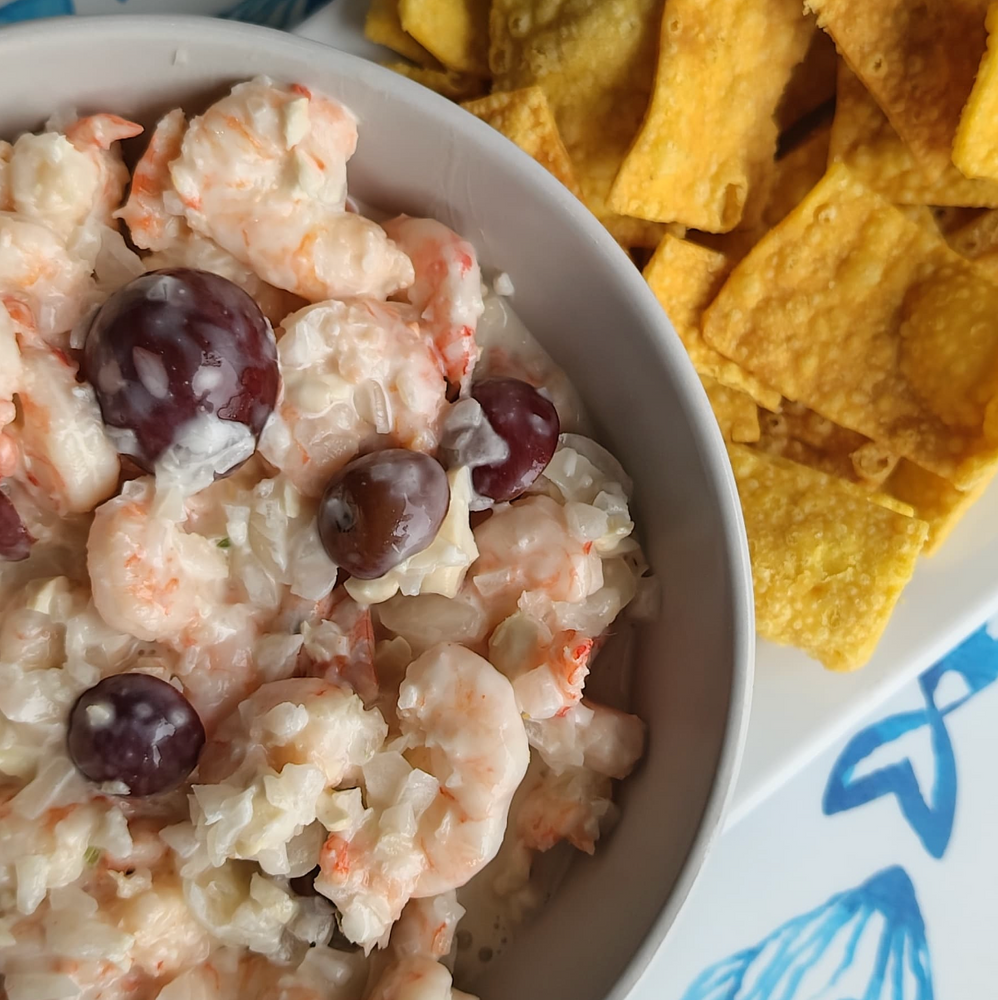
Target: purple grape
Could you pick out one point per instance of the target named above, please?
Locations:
(528, 423)
(174, 344)
(382, 508)
(135, 729)
(15, 540)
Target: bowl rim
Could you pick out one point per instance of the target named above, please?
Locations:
(668, 347)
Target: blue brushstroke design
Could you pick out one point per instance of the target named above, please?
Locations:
(276, 13)
(25, 10)
(976, 662)
(867, 943)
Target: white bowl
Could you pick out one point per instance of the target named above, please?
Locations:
(579, 294)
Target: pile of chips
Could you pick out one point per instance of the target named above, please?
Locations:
(819, 187)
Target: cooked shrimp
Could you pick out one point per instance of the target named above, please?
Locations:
(447, 290)
(154, 215)
(466, 741)
(572, 806)
(10, 378)
(527, 547)
(548, 669)
(263, 173)
(303, 720)
(65, 458)
(151, 579)
(357, 375)
(597, 737)
(151, 223)
(43, 286)
(340, 648)
(427, 926)
(416, 977)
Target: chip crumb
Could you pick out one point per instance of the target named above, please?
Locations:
(975, 149)
(728, 133)
(918, 58)
(685, 278)
(866, 142)
(828, 563)
(849, 308)
(524, 116)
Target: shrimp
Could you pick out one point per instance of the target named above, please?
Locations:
(548, 669)
(340, 648)
(151, 223)
(446, 292)
(10, 377)
(65, 457)
(572, 806)
(427, 926)
(155, 220)
(151, 579)
(263, 173)
(466, 754)
(528, 547)
(44, 287)
(357, 375)
(604, 740)
(416, 977)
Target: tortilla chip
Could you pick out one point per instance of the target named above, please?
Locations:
(864, 140)
(828, 563)
(977, 240)
(803, 436)
(685, 278)
(524, 117)
(704, 143)
(735, 411)
(921, 215)
(796, 174)
(949, 219)
(383, 27)
(455, 86)
(455, 31)
(975, 149)
(918, 58)
(935, 501)
(850, 309)
(812, 82)
(595, 60)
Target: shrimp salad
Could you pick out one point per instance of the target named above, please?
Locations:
(306, 559)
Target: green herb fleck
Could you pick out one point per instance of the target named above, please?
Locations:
(224, 543)
(92, 855)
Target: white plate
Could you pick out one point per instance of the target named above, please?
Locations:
(798, 708)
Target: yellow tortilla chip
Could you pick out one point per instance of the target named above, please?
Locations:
(812, 82)
(864, 140)
(455, 31)
(735, 411)
(455, 86)
(595, 60)
(921, 215)
(709, 136)
(828, 563)
(935, 501)
(524, 117)
(383, 27)
(918, 58)
(685, 278)
(850, 309)
(949, 218)
(975, 149)
(803, 436)
(977, 240)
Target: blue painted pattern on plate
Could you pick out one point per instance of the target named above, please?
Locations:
(26, 10)
(867, 943)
